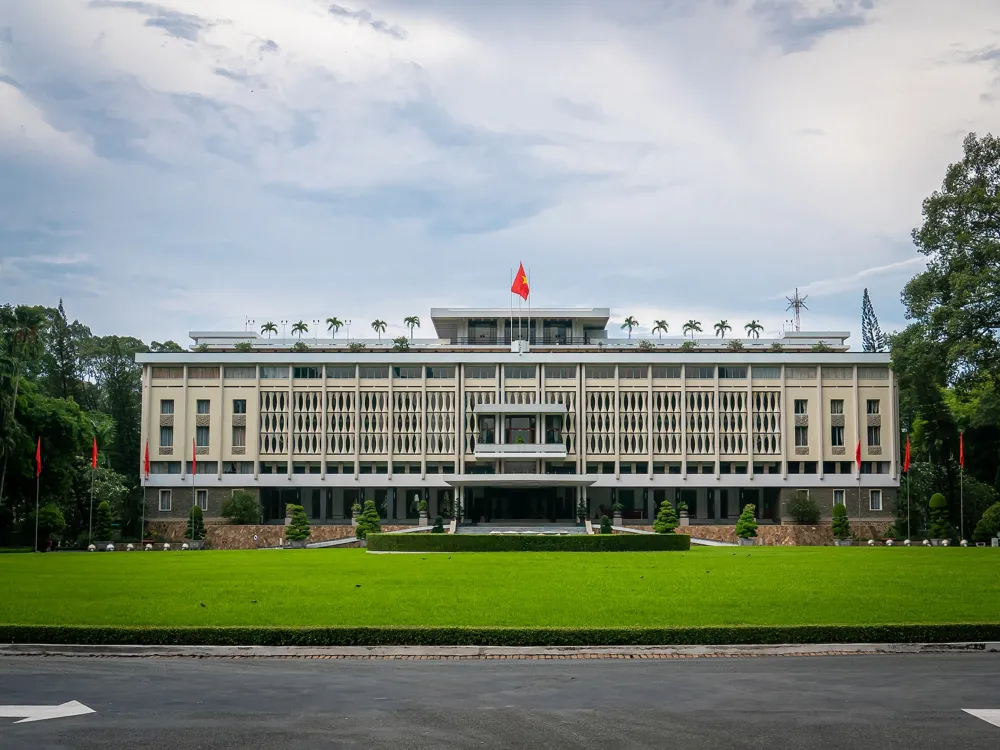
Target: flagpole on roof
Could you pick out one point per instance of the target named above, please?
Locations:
(511, 305)
(529, 303)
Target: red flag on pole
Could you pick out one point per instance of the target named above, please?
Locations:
(906, 458)
(961, 449)
(520, 285)
(194, 457)
(145, 460)
(38, 458)
(857, 454)
(93, 455)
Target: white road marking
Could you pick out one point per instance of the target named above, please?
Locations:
(41, 713)
(992, 715)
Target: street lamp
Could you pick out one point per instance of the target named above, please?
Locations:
(347, 325)
(316, 330)
(283, 324)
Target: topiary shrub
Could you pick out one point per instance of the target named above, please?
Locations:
(746, 526)
(298, 530)
(369, 521)
(581, 510)
(102, 522)
(990, 522)
(242, 508)
(421, 506)
(889, 533)
(841, 526)
(606, 525)
(803, 508)
(666, 519)
(195, 530)
(940, 526)
(438, 525)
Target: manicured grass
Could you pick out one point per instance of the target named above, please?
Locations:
(338, 588)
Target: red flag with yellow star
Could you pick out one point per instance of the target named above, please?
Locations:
(520, 285)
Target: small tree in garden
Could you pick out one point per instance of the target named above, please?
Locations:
(51, 523)
(803, 508)
(940, 526)
(368, 522)
(746, 526)
(195, 530)
(841, 526)
(606, 525)
(666, 519)
(438, 525)
(102, 522)
(242, 508)
(989, 525)
(298, 530)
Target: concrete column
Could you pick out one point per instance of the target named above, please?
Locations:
(256, 437)
(581, 432)
(858, 414)
(423, 422)
(181, 440)
(392, 425)
(459, 422)
(357, 423)
(782, 418)
(617, 417)
(715, 420)
(288, 420)
(324, 426)
(684, 426)
(229, 424)
(649, 418)
(891, 429)
(821, 437)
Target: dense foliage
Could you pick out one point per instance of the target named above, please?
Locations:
(195, 530)
(803, 508)
(242, 508)
(368, 522)
(102, 521)
(940, 525)
(298, 530)
(666, 519)
(841, 523)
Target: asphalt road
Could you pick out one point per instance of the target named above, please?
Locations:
(909, 701)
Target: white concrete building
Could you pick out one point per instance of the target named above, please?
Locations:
(520, 420)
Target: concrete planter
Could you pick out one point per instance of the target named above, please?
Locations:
(297, 543)
(682, 517)
(843, 542)
(200, 544)
(748, 542)
(423, 518)
(101, 545)
(354, 518)
(935, 542)
(617, 521)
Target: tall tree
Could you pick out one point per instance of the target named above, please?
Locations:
(872, 338)
(61, 360)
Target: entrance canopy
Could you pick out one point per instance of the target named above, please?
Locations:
(519, 480)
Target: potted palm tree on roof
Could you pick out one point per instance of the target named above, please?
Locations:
(333, 325)
(300, 328)
(754, 328)
(722, 328)
(411, 322)
(630, 323)
(379, 327)
(268, 328)
(660, 327)
(692, 327)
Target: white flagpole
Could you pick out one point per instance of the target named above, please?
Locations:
(38, 489)
(529, 304)
(512, 305)
(90, 534)
(961, 501)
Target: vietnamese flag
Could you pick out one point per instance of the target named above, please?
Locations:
(93, 455)
(961, 449)
(38, 458)
(520, 285)
(857, 454)
(906, 458)
(145, 460)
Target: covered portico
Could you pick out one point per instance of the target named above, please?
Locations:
(522, 497)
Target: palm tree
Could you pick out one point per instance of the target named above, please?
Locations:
(660, 327)
(754, 328)
(411, 321)
(379, 327)
(269, 328)
(333, 325)
(692, 327)
(300, 328)
(630, 323)
(721, 327)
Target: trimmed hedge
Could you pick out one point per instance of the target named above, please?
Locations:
(496, 636)
(528, 543)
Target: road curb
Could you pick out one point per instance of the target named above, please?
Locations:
(494, 652)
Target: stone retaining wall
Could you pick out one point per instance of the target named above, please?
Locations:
(784, 535)
(223, 535)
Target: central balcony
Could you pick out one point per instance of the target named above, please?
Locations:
(520, 450)
(519, 435)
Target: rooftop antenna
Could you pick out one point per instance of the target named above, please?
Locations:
(798, 304)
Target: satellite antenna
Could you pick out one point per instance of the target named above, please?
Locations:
(798, 304)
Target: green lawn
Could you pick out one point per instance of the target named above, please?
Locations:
(707, 586)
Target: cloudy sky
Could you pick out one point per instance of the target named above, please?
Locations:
(187, 164)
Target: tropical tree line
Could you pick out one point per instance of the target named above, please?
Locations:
(333, 325)
(753, 329)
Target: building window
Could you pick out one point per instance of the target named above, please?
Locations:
(240, 373)
(800, 373)
(406, 373)
(237, 467)
(801, 437)
(667, 373)
(273, 373)
(837, 406)
(441, 373)
(519, 372)
(165, 501)
(701, 373)
(307, 372)
(732, 373)
(560, 372)
(166, 406)
(837, 437)
(203, 373)
(168, 373)
(370, 372)
(164, 467)
(874, 436)
(801, 406)
(873, 373)
(203, 406)
(201, 437)
(167, 437)
(873, 406)
(632, 372)
(201, 497)
(604, 372)
(766, 373)
(340, 372)
(838, 373)
(875, 500)
(239, 406)
(480, 372)
(838, 498)
(239, 437)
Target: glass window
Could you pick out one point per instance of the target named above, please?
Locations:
(874, 436)
(837, 437)
(203, 373)
(873, 406)
(838, 373)
(837, 406)
(240, 373)
(766, 373)
(560, 372)
(671, 372)
(202, 499)
(340, 372)
(801, 437)
(166, 406)
(204, 406)
(169, 373)
(239, 437)
(201, 437)
(373, 372)
(838, 497)
(875, 500)
(873, 373)
(600, 372)
(237, 467)
(406, 373)
(480, 372)
(167, 437)
(701, 373)
(273, 373)
(307, 372)
(165, 501)
(519, 372)
(801, 406)
(164, 467)
(800, 373)
(239, 406)
(446, 372)
(732, 373)
(631, 372)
